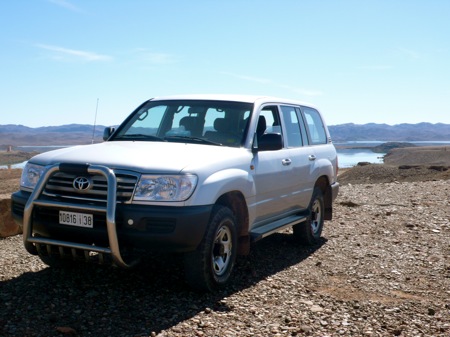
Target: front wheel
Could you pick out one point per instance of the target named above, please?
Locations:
(210, 266)
(309, 232)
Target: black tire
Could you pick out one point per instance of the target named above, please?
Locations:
(211, 265)
(309, 232)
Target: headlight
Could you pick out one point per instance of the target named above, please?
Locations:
(165, 188)
(30, 175)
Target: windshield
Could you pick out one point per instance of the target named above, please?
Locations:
(196, 121)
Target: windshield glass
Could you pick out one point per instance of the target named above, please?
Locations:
(205, 122)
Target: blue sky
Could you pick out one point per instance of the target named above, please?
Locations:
(358, 61)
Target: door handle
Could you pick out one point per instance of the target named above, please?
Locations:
(312, 157)
(286, 162)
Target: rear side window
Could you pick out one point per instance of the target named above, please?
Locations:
(315, 126)
(294, 136)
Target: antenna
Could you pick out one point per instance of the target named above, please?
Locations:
(95, 122)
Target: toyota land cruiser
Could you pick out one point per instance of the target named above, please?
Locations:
(202, 175)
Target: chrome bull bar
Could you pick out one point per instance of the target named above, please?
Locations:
(110, 211)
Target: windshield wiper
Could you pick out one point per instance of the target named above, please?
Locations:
(139, 136)
(191, 140)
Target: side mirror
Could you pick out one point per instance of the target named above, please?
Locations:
(270, 142)
(108, 132)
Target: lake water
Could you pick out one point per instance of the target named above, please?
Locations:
(351, 157)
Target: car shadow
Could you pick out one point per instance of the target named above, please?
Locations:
(85, 299)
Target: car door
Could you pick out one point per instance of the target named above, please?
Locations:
(272, 172)
(301, 154)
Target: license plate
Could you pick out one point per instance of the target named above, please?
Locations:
(76, 219)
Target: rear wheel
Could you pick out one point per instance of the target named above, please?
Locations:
(309, 232)
(210, 266)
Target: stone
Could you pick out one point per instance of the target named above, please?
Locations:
(8, 227)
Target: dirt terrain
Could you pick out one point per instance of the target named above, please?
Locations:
(14, 157)
(9, 181)
(382, 269)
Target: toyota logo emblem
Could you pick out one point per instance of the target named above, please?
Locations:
(81, 184)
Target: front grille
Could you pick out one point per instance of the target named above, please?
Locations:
(60, 185)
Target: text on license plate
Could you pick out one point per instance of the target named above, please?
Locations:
(76, 219)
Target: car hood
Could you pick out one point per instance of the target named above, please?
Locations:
(151, 157)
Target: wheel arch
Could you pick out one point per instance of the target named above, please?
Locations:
(324, 184)
(235, 200)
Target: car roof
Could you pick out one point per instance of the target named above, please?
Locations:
(230, 97)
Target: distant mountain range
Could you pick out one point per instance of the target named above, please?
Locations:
(385, 132)
(73, 134)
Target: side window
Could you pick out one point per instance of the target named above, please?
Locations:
(272, 120)
(315, 126)
(292, 127)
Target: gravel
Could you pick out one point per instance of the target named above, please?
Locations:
(382, 269)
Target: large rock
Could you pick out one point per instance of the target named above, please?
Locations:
(7, 225)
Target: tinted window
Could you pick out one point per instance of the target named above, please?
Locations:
(315, 126)
(293, 133)
(270, 113)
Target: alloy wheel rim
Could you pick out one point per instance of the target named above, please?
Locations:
(316, 216)
(221, 254)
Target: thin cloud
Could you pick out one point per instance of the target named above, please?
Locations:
(248, 78)
(65, 54)
(65, 4)
(147, 56)
(302, 91)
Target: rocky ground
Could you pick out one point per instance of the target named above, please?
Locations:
(382, 269)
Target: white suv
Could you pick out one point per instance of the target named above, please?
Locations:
(203, 175)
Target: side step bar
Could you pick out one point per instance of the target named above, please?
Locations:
(261, 232)
(110, 212)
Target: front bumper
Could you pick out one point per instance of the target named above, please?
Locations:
(161, 228)
(117, 225)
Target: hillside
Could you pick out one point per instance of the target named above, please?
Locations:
(71, 134)
(385, 132)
